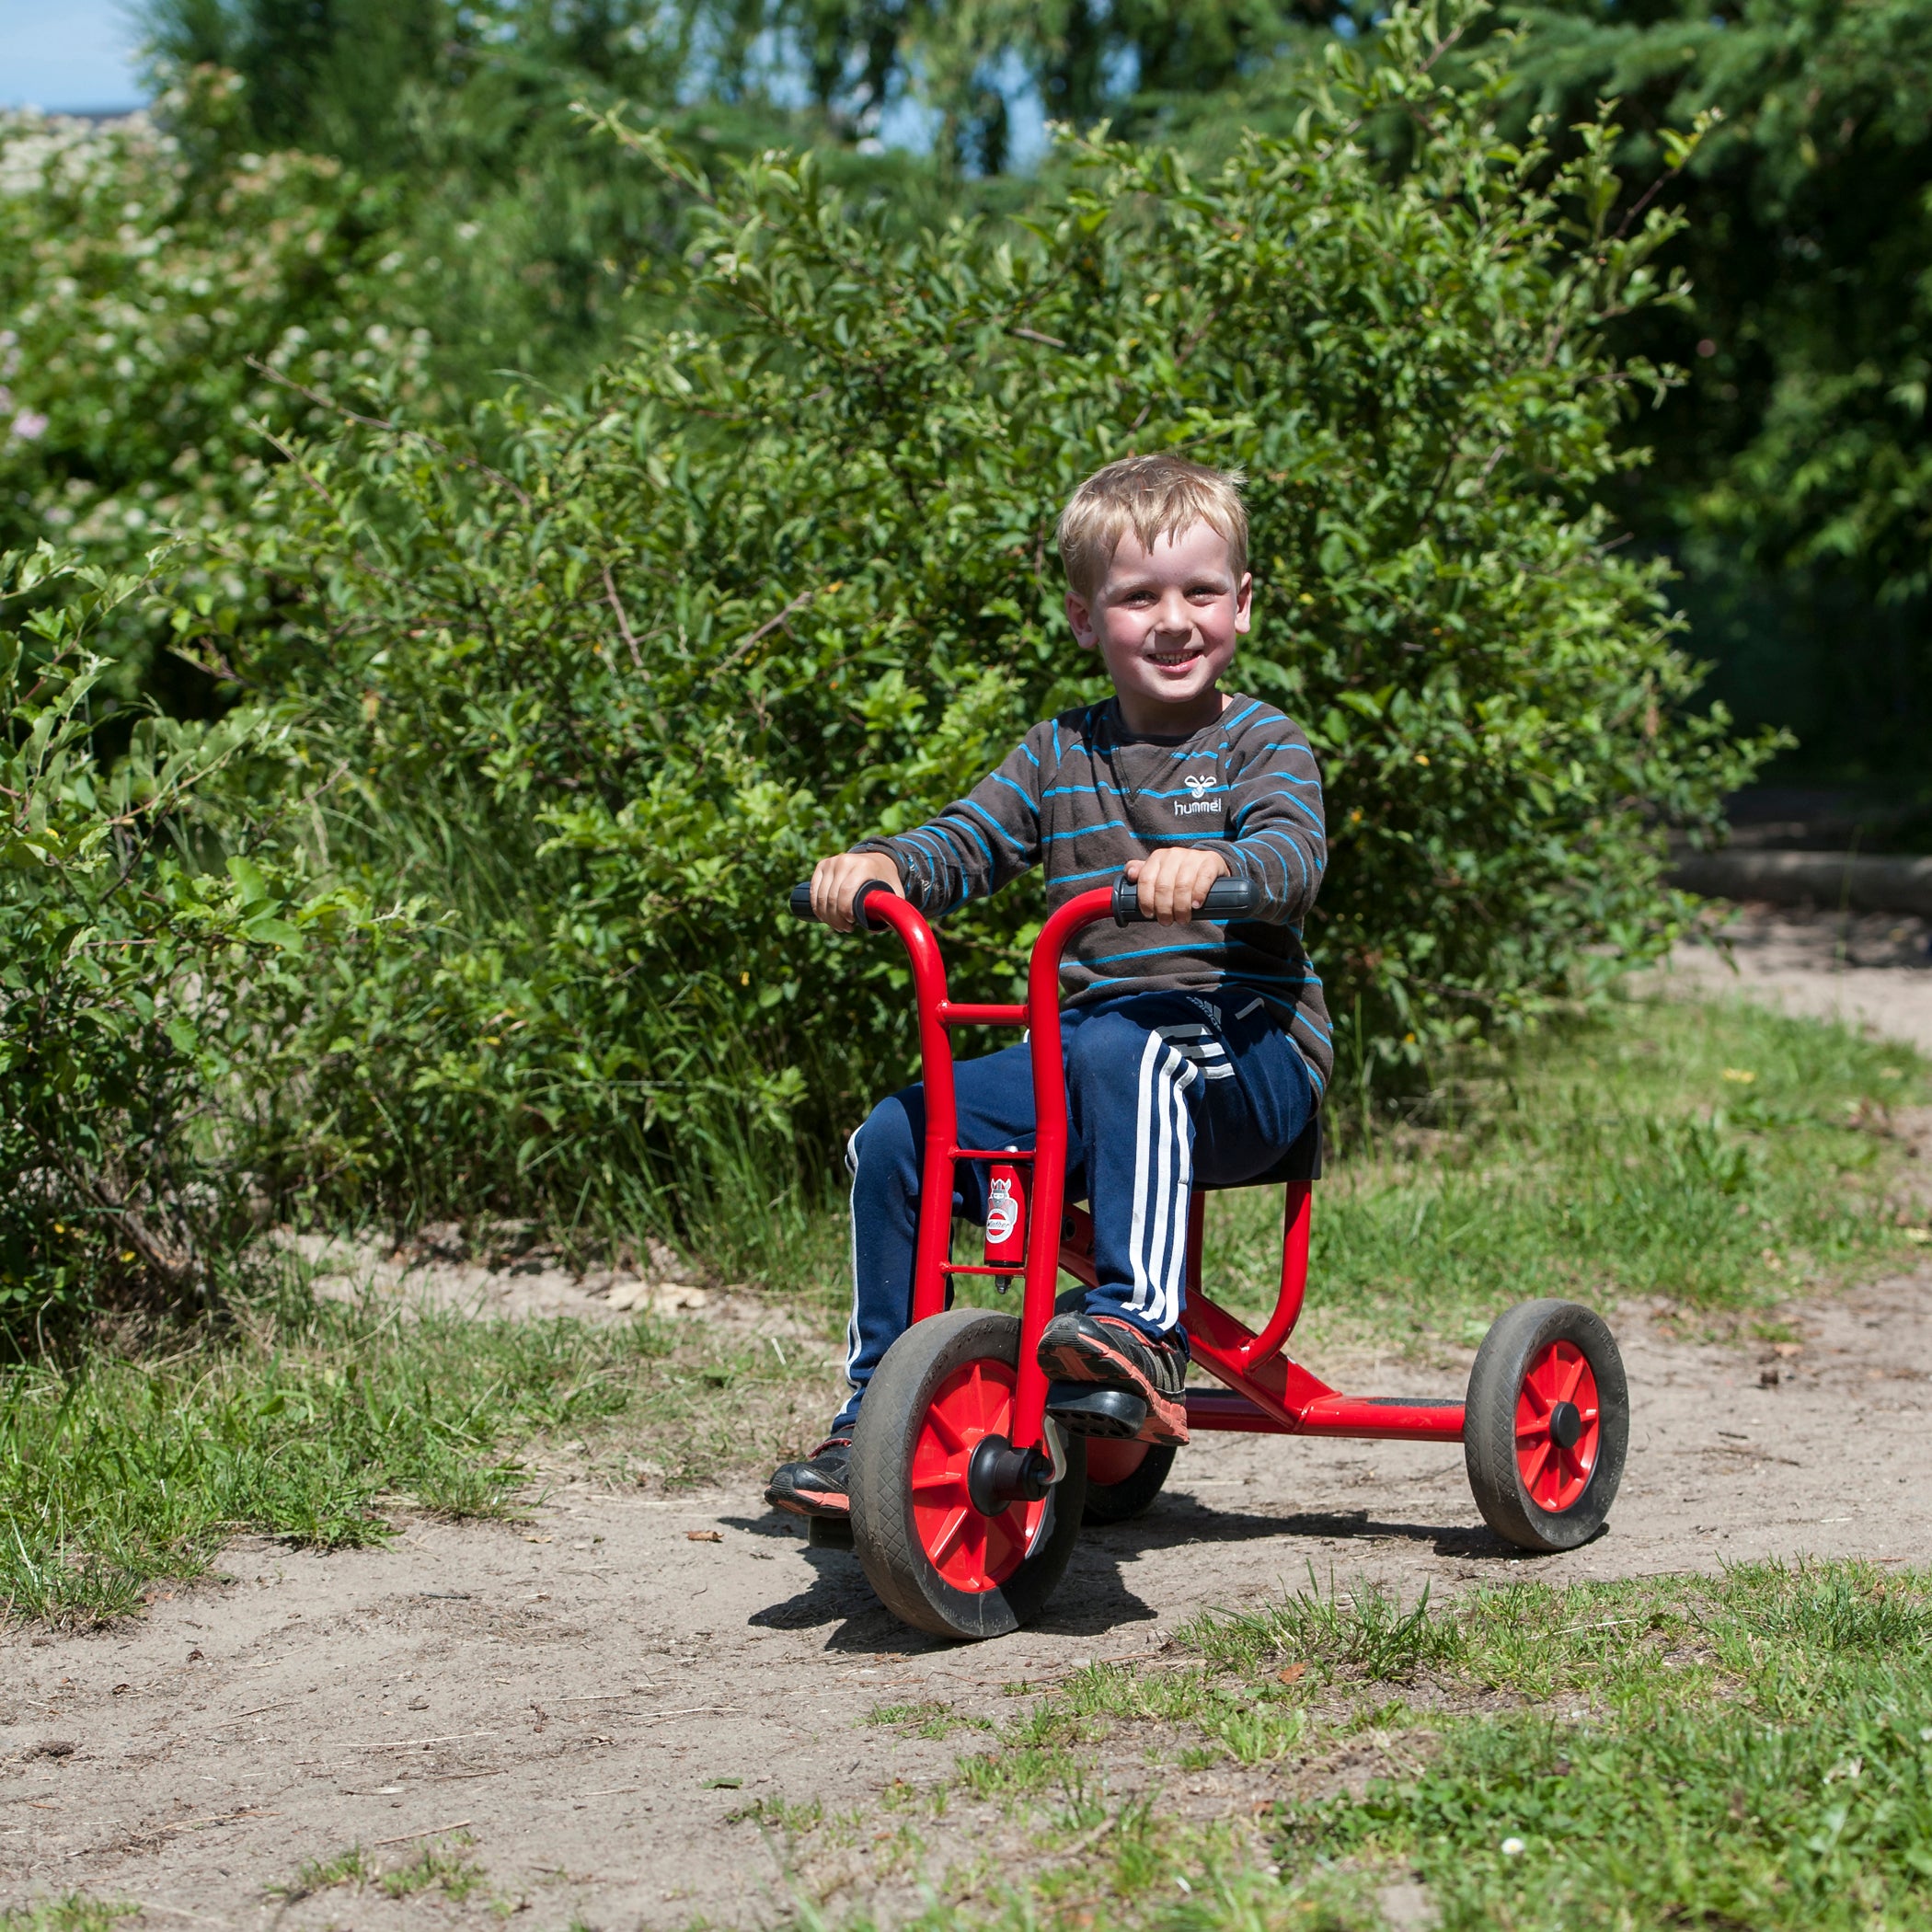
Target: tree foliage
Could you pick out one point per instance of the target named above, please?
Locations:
(1795, 466)
(785, 576)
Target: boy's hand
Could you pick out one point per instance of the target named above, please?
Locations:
(1173, 884)
(835, 882)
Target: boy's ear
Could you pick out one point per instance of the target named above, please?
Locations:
(1244, 602)
(1082, 619)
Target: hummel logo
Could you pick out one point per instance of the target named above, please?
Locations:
(1200, 784)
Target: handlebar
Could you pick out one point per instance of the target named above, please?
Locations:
(800, 903)
(1226, 899)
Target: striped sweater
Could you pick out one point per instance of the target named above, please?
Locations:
(1081, 797)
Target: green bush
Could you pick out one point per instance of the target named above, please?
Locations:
(164, 301)
(139, 986)
(786, 576)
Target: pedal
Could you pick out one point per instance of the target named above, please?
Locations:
(1089, 1408)
(828, 1531)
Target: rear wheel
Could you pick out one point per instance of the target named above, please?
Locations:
(939, 1560)
(1124, 1478)
(1548, 1425)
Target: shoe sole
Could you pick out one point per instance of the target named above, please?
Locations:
(838, 1509)
(1166, 1420)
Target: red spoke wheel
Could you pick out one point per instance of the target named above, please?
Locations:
(1123, 1477)
(1548, 1425)
(938, 1560)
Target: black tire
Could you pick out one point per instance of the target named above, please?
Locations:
(1515, 1342)
(1120, 1502)
(883, 1529)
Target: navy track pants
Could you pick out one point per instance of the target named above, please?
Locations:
(1164, 1090)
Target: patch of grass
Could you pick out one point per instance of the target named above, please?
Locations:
(1761, 1756)
(1750, 1750)
(926, 1720)
(780, 1814)
(347, 1868)
(116, 1470)
(435, 1867)
(1033, 1753)
(1622, 1156)
(72, 1914)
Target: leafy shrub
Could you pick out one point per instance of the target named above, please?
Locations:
(134, 982)
(163, 300)
(786, 576)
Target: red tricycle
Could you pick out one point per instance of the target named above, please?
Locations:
(971, 1473)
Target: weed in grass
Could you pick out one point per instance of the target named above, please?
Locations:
(1034, 1754)
(347, 1868)
(434, 1868)
(1365, 1634)
(780, 1814)
(926, 1720)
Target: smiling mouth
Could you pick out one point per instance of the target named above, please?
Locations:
(1173, 660)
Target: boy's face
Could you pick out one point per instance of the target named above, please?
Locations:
(1165, 623)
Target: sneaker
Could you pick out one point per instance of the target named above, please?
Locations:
(818, 1484)
(1103, 1349)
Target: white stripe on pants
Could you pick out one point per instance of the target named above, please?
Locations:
(1164, 1166)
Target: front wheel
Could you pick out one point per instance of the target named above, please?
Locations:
(1548, 1425)
(937, 1560)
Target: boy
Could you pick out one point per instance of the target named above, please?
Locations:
(1200, 1056)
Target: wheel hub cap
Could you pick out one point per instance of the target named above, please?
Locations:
(971, 1549)
(1558, 1427)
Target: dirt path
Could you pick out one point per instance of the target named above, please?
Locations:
(597, 1697)
(577, 1690)
(1872, 970)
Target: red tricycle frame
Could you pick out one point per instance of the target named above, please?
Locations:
(1266, 1392)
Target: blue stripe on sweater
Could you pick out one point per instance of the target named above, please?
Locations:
(1001, 779)
(1016, 845)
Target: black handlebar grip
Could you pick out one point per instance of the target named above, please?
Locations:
(800, 903)
(1226, 899)
(1231, 898)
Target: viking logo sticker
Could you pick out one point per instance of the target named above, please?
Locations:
(1002, 1211)
(1005, 1218)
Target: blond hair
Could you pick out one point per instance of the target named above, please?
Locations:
(1155, 495)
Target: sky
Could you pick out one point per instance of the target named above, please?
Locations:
(66, 54)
